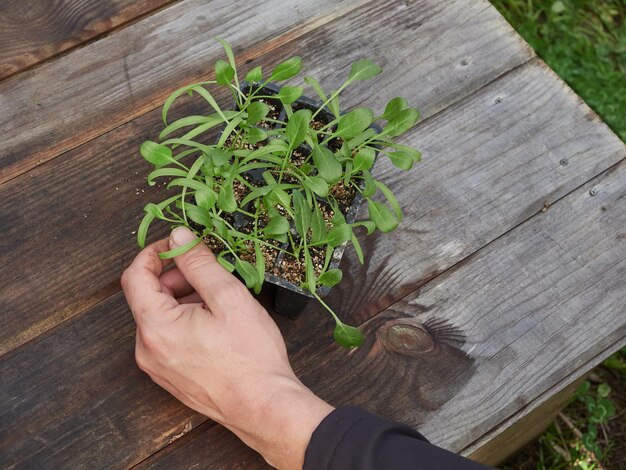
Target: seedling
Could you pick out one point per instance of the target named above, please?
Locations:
(271, 196)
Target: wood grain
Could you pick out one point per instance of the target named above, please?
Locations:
(79, 396)
(130, 72)
(81, 185)
(527, 315)
(32, 31)
(492, 161)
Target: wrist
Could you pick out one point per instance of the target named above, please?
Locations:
(281, 423)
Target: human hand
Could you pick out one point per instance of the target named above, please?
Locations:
(204, 338)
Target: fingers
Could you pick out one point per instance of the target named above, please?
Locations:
(221, 291)
(175, 283)
(141, 284)
(193, 298)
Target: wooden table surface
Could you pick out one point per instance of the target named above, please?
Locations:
(505, 283)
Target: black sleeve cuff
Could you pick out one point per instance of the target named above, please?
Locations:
(350, 438)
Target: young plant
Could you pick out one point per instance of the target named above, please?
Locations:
(272, 195)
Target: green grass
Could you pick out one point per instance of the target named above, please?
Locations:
(584, 41)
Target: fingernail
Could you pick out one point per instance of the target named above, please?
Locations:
(181, 236)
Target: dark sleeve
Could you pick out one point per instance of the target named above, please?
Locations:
(352, 439)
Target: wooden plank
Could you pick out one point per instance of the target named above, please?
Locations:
(514, 438)
(32, 31)
(491, 339)
(81, 185)
(130, 72)
(75, 398)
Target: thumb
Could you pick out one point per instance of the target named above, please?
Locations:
(218, 288)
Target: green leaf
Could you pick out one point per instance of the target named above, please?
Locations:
(339, 234)
(362, 137)
(331, 277)
(229, 52)
(310, 273)
(256, 193)
(224, 73)
(277, 226)
(402, 160)
(226, 198)
(289, 94)
(227, 265)
(333, 105)
(287, 69)
(382, 216)
(297, 127)
(219, 156)
(391, 199)
(604, 390)
(354, 122)
(254, 75)
(363, 70)
(164, 172)
(248, 273)
(347, 174)
(180, 250)
(257, 110)
(318, 226)
(402, 122)
(157, 154)
(186, 121)
(281, 197)
(269, 178)
(206, 199)
(327, 164)
(313, 83)
(317, 184)
(198, 215)
(142, 231)
(364, 160)
(188, 183)
(260, 267)
(302, 213)
(256, 135)
(394, 106)
(368, 224)
(347, 336)
(370, 186)
(357, 248)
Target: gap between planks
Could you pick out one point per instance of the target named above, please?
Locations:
(541, 399)
(92, 39)
(293, 33)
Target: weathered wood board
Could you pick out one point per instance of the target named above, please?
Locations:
(105, 173)
(32, 31)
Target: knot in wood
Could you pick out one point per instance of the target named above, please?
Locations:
(406, 338)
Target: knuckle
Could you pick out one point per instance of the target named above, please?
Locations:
(141, 360)
(150, 341)
(232, 292)
(125, 279)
